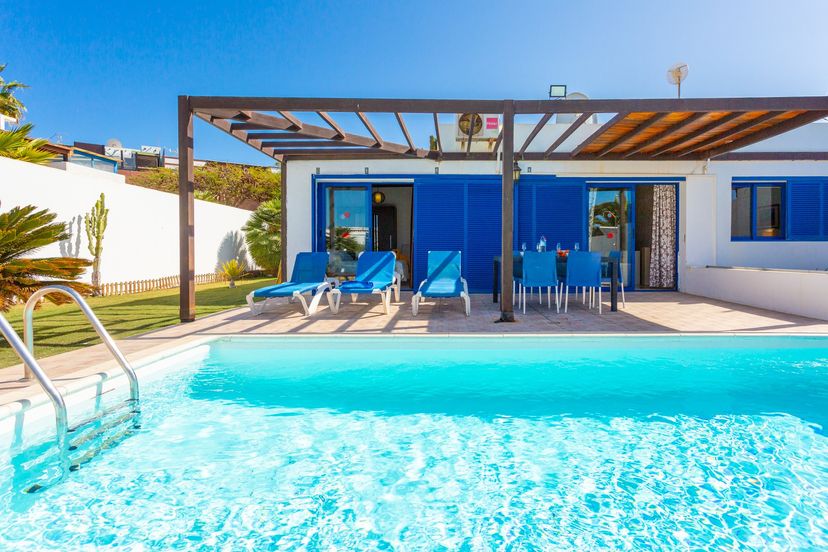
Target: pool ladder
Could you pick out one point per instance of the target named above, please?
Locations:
(32, 370)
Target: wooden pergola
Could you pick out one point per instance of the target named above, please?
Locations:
(637, 129)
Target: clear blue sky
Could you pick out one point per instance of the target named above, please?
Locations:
(112, 69)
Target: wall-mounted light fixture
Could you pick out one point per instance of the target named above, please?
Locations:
(379, 198)
(436, 170)
(366, 170)
(515, 171)
(317, 170)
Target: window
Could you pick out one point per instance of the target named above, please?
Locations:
(756, 211)
(740, 225)
(768, 211)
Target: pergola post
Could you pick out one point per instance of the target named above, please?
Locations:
(283, 221)
(507, 213)
(186, 219)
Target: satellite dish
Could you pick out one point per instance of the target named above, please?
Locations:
(676, 74)
(114, 143)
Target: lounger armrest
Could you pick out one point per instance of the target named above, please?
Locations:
(420, 287)
(322, 287)
(465, 285)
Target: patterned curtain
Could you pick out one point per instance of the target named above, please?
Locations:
(663, 256)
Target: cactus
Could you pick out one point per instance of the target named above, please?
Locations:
(95, 222)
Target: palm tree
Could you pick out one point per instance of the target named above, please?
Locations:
(263, 234)
(23, 230)
(16, 144)
(10, 106)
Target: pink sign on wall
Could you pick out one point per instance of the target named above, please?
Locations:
(491, 123)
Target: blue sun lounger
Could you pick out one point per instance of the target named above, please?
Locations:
(308, 277)
(443, 280)
(376, 275)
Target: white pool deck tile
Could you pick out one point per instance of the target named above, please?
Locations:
(645, 313)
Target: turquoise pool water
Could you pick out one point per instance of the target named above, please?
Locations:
(444, 443)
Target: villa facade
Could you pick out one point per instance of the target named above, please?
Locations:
(692, 226)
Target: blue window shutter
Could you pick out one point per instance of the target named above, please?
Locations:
(525, 214)
(824, 208)
(439, 221)
(559, 213)
(483, 233)
(806, 204)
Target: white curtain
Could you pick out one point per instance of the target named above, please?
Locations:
(663, 255)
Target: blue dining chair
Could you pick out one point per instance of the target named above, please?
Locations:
(540, 270)
(606, 274)
(583, 269)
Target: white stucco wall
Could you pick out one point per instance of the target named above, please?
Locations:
(141, 239)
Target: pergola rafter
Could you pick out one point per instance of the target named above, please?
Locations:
(638, 129)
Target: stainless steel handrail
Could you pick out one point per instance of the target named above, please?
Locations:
(28, 331)
(31, 365)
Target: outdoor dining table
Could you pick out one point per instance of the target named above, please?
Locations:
(517, 270)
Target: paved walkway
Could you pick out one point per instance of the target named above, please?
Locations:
(644, 313)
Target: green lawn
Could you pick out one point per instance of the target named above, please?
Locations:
(63, 328)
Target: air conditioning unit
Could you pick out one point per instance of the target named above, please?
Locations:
(483, 126)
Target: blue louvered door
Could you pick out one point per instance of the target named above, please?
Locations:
(458, 214)
(483, 232)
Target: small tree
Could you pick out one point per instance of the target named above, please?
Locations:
(10, 106)
(95, 221)
(233, 270)
(16, 144)
(263, 234)
(23, 230)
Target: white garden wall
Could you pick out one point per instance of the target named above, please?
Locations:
(141, 239)
(799, 292)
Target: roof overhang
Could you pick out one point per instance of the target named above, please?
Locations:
(636, 129)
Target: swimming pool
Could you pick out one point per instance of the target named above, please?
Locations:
(474, 443)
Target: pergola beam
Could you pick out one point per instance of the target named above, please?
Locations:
(498, 140)
(331, 123)
(696, 133)
(303, 144)
(656, 118)
(732, 132)
(538, 127)
(658, 137)
(371, 130)
(296, 123)
(675, 105)
(598, 133)
(573, 126)
(375, 105)
(355, 152)
(283, 136)
(404, 129)
(264, 121)
(764, 134)
(240, 135)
